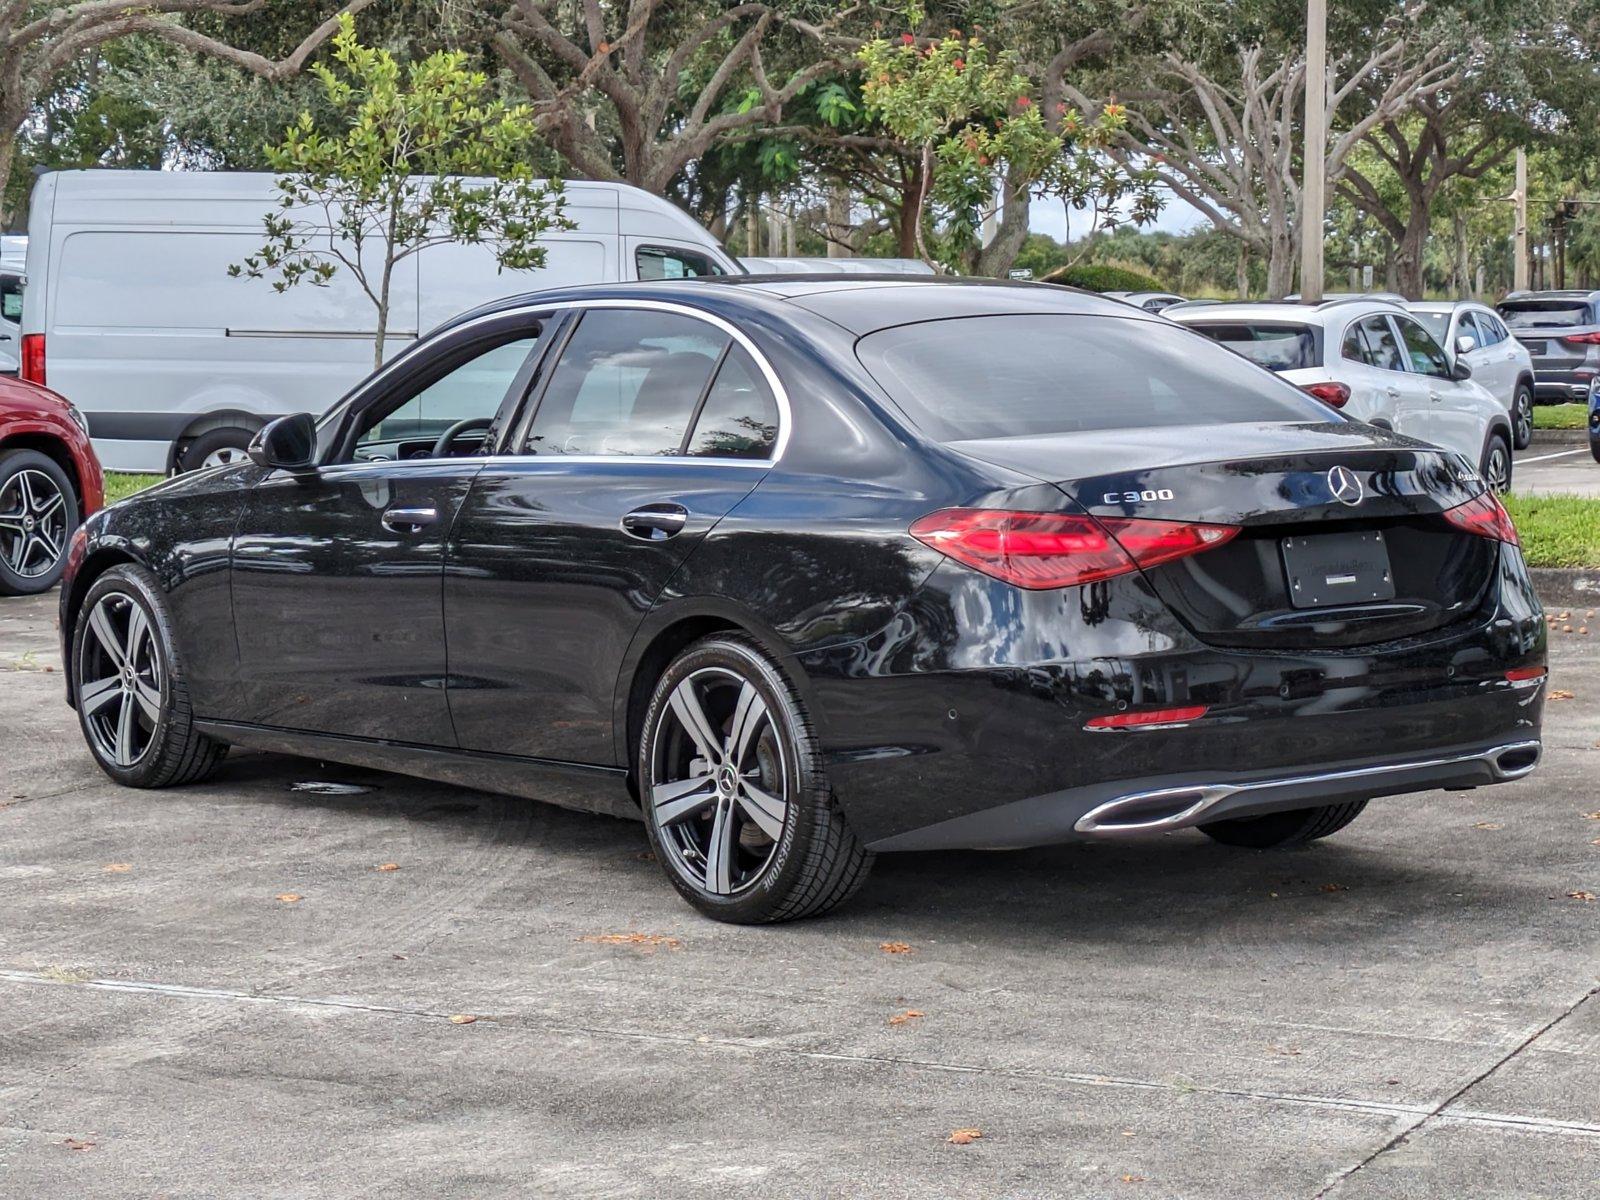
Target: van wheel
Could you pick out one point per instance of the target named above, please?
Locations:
(217, 448)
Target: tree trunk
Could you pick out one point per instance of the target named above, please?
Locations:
(910, 212)
(8, 156)
(1280, 266)
(838, 221)
(1409, 255)
(1241, 272)
(995, 259)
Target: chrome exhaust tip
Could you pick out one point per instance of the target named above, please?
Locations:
(1515, 761)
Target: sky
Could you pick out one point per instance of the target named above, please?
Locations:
(1048, 217)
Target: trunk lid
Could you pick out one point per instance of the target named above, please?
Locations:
(1341, 539)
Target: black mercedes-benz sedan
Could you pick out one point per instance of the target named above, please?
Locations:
(800, 570)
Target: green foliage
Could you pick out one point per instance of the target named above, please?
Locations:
(1557, 531)
(1098, 277)
(392, 181)
(1561, 416)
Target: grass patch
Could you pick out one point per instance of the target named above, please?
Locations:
(1557, 531)
(1560, 416)
(122, 484)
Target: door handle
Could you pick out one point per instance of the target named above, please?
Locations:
(408, 520)
(1435, 397)
(655, 522)
(1393, 392)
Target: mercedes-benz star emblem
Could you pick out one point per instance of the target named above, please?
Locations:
(1344, 485)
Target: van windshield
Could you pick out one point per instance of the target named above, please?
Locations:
(1021, 375)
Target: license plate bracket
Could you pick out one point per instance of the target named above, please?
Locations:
(1328, 569)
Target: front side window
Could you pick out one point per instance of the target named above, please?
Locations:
(1031, 374)
(666, 262)
(627, 383)
(1383, 348)
(1425, 354)
(740, 417)
(408, 426)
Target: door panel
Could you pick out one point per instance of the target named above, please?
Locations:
(338, 615)
(543, 591)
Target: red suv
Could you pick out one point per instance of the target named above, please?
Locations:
(49, 481)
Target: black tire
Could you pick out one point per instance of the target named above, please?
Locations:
(1293, 828)
(227, 445)
(38, 512)
(799, 860)
(1496, 464)
(163, 747)
(1522, 416)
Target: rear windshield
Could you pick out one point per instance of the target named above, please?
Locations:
(1535, 314)
(1277, 347)
(1018, 375)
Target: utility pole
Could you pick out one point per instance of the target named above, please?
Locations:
(1313, 197)
(1519, 248)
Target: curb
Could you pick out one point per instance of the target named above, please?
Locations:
(1559, 437)
(1567, 587)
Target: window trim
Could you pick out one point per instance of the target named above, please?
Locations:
(524, 421)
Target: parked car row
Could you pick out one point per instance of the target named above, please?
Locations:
(803, 569)
(1375, 360)
(50, 480)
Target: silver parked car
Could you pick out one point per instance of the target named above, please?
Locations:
(1562, 332)
(1372, 360)
(1472, 333)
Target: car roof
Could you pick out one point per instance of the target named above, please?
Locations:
(860, 304)
(1282, 311)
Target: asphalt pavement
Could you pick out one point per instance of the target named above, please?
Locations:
(1547, 468)
(241, 989)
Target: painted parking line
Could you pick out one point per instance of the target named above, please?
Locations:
(1546, 457)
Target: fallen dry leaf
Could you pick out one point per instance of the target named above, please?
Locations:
(895, 947)
(117, 868)
(1333, 887)
(647, 942)
(1594, 816)
(1566, 629)
(1561, 694)
(388, 866)
(75, 1144)
(1133, 1179)
(910, 1014)
(289, 897)
(964, 1137)
(462, 1019)
(1288, 1051)
(1585, 896)
(1488, 825)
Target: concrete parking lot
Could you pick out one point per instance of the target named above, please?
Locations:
(219, 991)
(1546, 468)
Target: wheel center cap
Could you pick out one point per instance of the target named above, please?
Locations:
(27, 522)
(127, 673)
(727, 781)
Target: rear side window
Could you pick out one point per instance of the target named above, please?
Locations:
(1382, 347)
(627, 383)
(1020, 375)
(1545, 314)
(1493, 332)
(1278, 347)
(1425, 354)
(740, 417)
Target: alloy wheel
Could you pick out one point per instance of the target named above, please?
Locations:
(719, 782)
(33, 523)
(1523, 416)
(1497, 467)
(119, 680)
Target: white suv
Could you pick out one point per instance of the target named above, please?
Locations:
(1374, 361)
(1472, 333)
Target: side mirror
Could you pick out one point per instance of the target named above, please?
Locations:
(1460, 371)
(1466, 344)
(287, 444)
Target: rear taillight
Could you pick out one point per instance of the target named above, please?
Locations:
(32, 366)
(1334, 395)
(1485, 516)
(1583, 339)
(1055, 550)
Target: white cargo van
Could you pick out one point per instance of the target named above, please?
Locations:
(130, 313)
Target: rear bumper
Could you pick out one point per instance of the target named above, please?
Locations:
(1563, 386)
(1164, 804)
(964, 733)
